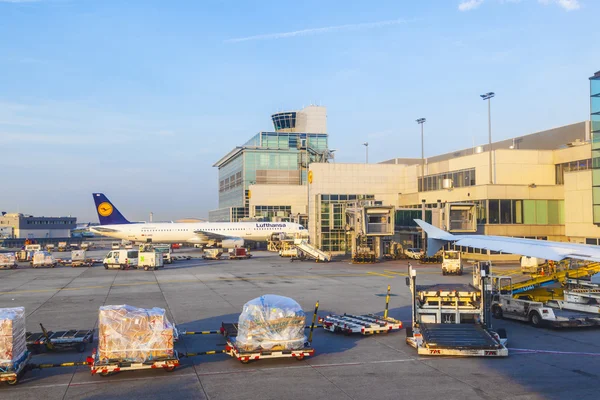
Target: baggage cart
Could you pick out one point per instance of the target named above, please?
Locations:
(239, 253)
(61, 340)
(8, 261)
(78, 259)
(246, 356)
(12, 374)
(367, 324)
(230, 331)
(212, 254)
(113, 366)
(43, 259)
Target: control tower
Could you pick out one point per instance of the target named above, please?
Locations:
(311, 119)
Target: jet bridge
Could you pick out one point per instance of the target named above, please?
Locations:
(368, 221)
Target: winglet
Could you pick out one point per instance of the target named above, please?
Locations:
(107, 212)
(436, 238)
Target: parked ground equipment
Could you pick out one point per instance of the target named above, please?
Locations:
(452, 262)
(61, 340)
(367, 324)
(150, 260)
(43, 259)
(212, 254)
(79, 259)
(13, 373)
(522, 308)
(122, 259)
(8, 261)
(283, 339)
(166, 251)
(62, 246)
(306, 250)
(239, 253)
(453, 320)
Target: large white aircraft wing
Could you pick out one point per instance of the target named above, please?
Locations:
(213, 236)
(556, 251)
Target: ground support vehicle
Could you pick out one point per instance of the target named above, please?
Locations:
(452, 320)
(212, 254)
(239, 253)
(306, 250)
(579, 295)
(50, 248)
(12, 374)
(78, 259)
(150, 260)
(61, 340)
(166, 251)
(43, 259)
(8, 261)
(452, 262)
(537, 313)
(62, 246)
(289, 252)
(114, 366)
(122, 259)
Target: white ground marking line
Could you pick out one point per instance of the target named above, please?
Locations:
(566, 353)
(225, 372)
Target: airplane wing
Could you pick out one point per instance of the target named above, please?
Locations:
(213, 236)
(556, 251)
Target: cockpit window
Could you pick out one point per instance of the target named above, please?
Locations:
(300, 227)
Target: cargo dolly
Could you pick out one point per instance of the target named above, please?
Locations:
(367, 324)
(12, 374)
(111, 367)
(230, 332)
(61, 340)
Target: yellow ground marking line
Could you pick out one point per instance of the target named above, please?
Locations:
(197, 280)
(378, 274)
(395, 273)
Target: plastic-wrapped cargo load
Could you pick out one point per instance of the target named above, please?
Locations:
(7, 259)
(13, 343)
(271, 322)
(134, 334)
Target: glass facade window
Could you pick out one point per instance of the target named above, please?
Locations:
(529, 212)
(580, 165)
(460, 178)
(595, 132)
(269, 212)
(332, 220)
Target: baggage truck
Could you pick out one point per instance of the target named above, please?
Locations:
(79, 259)
(62, 246)
(150, 260)
(453, 320)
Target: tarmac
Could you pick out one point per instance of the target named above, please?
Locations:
(198, 295)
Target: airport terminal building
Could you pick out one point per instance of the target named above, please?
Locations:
(543, 185)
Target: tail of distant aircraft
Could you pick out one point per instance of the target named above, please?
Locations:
(107, 212)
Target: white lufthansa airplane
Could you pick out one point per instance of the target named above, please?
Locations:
(544, 249)
(229, 234)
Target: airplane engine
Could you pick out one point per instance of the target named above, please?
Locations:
(231, 243)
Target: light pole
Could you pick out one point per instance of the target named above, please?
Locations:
(421, 121)
(366, 144)
(488, 96)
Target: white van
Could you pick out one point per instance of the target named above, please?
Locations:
(531, 265)
(123, 259)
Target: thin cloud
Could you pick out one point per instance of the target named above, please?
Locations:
(20, 1)
(468, 5)
(318, 31)
(569, 5)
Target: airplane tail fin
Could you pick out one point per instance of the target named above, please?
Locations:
(436, 238)
(107, 212)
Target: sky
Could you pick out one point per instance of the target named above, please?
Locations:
(138, 99)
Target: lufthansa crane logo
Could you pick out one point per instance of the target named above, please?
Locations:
(310, 176)
(105, 209)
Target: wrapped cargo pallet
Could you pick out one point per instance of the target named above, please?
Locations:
(271, 322)
(8, 259)
(134, 334)
(13, 344)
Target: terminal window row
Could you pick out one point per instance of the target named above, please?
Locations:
(460, 178)
(50, 222)
(580, 165)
